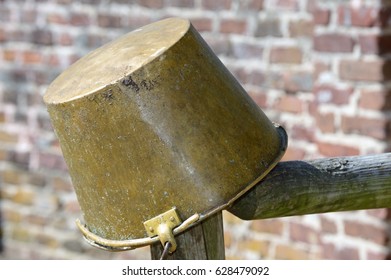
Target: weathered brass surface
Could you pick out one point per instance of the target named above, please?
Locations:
(162, 226)
(153, 120)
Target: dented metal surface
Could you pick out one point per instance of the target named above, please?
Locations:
(153, 120)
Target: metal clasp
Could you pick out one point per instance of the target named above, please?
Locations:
(162, 226)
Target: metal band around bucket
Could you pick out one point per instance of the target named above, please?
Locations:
(123, 245)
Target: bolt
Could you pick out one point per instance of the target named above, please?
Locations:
(151, 229)
(172, 219)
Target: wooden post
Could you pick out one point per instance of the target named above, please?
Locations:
(204, 241)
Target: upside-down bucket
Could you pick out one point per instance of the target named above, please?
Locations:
(155, 130)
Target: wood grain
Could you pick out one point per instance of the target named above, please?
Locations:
(319, 186)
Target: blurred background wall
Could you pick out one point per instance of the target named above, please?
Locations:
(320, 68)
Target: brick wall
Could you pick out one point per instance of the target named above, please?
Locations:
(321, 68)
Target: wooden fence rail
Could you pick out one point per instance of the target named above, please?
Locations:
(319, 186)
(296, 188)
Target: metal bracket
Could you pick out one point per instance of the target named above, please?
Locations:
(162, 226)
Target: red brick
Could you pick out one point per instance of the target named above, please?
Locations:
(272, 226)
(22, 234)
(61, 184)
(80, 19)
(252, 5)
(369, 44)
(333, 43)
(331, 252)
(376, 128)
(52, 161)
(384, 44)
(375, 44)
(4, 155)
(362, 16)
(381, 214)
(54, 60)
(109, 21)
(301, 28)
(260, 247)
(269, 27)
(36, 219)
(64, 2)
(258, 96)
(2, 35)
(303, 233)
(95, 40)
(303, 133)
(13, 176)
(7, 137)
(18, 35)
(290, 104)
(29, 16)
(42, 37)
(320, 67)
(10, 215)
(257, 78)
(5, 13)
(361, 70)
(384, 16)
(152, 4)
(136, 21)
(242, 75)
(202, 24)
(321, 16)
(293, 153)
(72, 207)
(219, 44)
(19, 75)
(348, 254)
(9, 55)
(272, 79)
(311, 6)
(335, 150)
(55, 18)
(327, 225)
(233, 26)
(31, 57)
(375, 99)
(330, 94)
(2, 117)
(291, 5)
(368, 232)
(65, 39)
(46, 240)
(287, 55)
(325, 122)
(216, 5)
(24, 196)
(181, 3)
(73, 58)
(377, 256)
(245, 50)
(295, 81)
(289, 252)
(37, 179)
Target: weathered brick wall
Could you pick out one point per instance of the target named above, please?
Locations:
(321, 68)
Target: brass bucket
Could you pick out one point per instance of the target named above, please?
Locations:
(153, 122)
